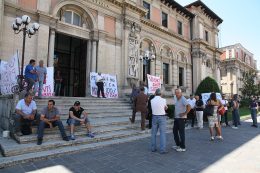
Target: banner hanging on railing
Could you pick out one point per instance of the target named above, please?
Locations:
(8, 75)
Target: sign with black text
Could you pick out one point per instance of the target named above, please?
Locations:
(110, 85)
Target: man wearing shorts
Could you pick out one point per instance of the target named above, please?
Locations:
(75, 119)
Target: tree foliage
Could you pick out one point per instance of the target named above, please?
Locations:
(249, 87)
(207, 85)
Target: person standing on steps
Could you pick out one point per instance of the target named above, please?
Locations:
(100, 85)
(75, 119)
(140, 105)
(41, 73)
(50, 118)
(30, 75)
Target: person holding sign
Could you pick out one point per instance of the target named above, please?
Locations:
(100, 85)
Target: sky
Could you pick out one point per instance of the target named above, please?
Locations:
(241, 23)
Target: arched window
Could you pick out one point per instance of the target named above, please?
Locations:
(72, 17)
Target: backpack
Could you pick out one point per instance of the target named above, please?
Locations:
(26, 129)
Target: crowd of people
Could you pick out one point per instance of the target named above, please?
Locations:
(187, 112)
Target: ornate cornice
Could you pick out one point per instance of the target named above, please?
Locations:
(157, 27)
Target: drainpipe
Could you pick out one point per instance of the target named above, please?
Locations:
(191, 37)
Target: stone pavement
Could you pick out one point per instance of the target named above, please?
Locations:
(238, 153)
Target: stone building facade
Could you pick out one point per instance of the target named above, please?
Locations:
(235, 61)
(129, 39)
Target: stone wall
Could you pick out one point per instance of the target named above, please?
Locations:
(7, 108)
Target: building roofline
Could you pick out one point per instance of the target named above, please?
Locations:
(179, 8)
(206, 9)
(236, 45)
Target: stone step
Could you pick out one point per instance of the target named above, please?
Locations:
(12, 160)
(64, 116)
(86, 100)
(14, 149)
(51, 134)
(84, 105)
(96, 109)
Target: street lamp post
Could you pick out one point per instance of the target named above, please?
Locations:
(21, 24)
(148, 56)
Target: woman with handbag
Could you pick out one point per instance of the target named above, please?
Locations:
(213, 104)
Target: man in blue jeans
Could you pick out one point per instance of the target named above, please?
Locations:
(182, 108)
(50, 118)
(253, 107)
(159, 106)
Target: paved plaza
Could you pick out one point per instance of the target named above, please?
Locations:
(238, 153)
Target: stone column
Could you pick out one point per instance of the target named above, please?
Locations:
(51, 48)
(94, 57)
(88, 67)
(152, 63)
(170, 72)
(1, 24)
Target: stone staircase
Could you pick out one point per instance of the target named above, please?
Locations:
(110, 123)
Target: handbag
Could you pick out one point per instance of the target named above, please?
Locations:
(209, 110)
(221, 111)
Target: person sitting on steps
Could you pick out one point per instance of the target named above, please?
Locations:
(50, 118)
(76, 120)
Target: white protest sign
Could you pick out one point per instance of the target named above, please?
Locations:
(154, 83)
(110, 85)
(8, 75)
(206, 96)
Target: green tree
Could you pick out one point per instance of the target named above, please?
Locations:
(207, 85)
(249, 87)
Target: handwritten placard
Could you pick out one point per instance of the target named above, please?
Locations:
(154, 83)
(110, 85)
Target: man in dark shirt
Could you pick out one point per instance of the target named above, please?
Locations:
(50, 118)
(75, 120)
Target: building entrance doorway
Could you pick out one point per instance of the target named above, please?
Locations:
(70, 62)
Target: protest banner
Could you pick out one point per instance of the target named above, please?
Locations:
(154, 83)
(110, 85)
(8, 75)
(206, 96)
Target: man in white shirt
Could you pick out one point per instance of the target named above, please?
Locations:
(100, 85)
(158, 105)
(25, 113)
(191, 115)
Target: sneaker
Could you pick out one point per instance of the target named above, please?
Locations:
(219, 137)
(72, 137)
(39, 141)
(180, 149)
(234, 127)
(66, 138)
(91, 135)
(211, 138)
(175, 147)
